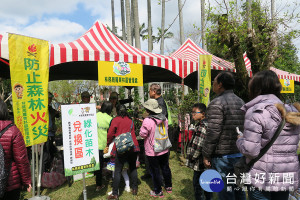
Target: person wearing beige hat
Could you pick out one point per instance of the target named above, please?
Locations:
(158, 160)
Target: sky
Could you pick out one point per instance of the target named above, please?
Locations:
(66, 20)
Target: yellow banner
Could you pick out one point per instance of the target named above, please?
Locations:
(120, 74)
(287, 86)
(204, 77)
(29, 72)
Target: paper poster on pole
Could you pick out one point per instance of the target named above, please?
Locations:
(204, 77)
(80, 138)
(287, 86)
(29, 71)
(120, 74)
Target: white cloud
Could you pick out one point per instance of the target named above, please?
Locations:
(43, 18)
(21, 12)
(54, 30)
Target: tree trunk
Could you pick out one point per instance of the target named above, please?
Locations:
(180, 22)
(202, 25)
(123, 20)
(162, 43)
(232, 41)
(132, 22)
(128, 22)
(136, 24)
(241, 72)
(113, 17)
(249, 24)
(137, 41)
(252, 54)
(272, 10)
(150, 42)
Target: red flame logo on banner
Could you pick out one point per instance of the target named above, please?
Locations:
(32, 48)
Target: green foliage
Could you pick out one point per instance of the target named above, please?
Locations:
(228, 37)
(287, 51)
(182, 186)
(189, 100)
(170, 98)
(146, 92)
(93, 160)
(167, 35)
(69, 172)
(122, 92)
(5, 90)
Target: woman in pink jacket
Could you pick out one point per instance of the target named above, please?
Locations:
(277, 171)
(157, 160)
(15, 157)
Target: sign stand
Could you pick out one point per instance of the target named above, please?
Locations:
(84, 187)
(39, 173)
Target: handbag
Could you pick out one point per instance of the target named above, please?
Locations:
(241, 167)
(161, 139)
(55, 177)
(124, 141)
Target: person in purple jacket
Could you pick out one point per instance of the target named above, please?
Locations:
(157, 160)
(277, 172)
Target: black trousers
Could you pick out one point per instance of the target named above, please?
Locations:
(120, 160)
(48, 154)
(200, 194)
(157, 163)
(98, 173)
(12, 195)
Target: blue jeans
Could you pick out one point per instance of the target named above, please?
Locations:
(263, 195)
(199, 192)
(225, 166)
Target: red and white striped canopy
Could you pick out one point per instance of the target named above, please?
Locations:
(285, 75)
(4, 46)
(280, 73)
(98, 43)
(189, 52)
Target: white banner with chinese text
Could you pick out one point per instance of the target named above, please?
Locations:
(80, 138)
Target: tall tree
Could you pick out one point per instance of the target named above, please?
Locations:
(132, 20)
(162, 34)
(137, 40)
(180, 7)
(252, 31)
(203, 25)
(150, 42)
(136, 25)
(162, 41)
(123, 21)
(113, 17)
(128, 22)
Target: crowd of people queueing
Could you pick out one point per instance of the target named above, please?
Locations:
(215, 143)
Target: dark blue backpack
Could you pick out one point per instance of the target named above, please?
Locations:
(4, 173)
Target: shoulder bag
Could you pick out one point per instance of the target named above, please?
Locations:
(124, 141)
(241, 167)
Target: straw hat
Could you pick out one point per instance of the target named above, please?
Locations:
(153, 106)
